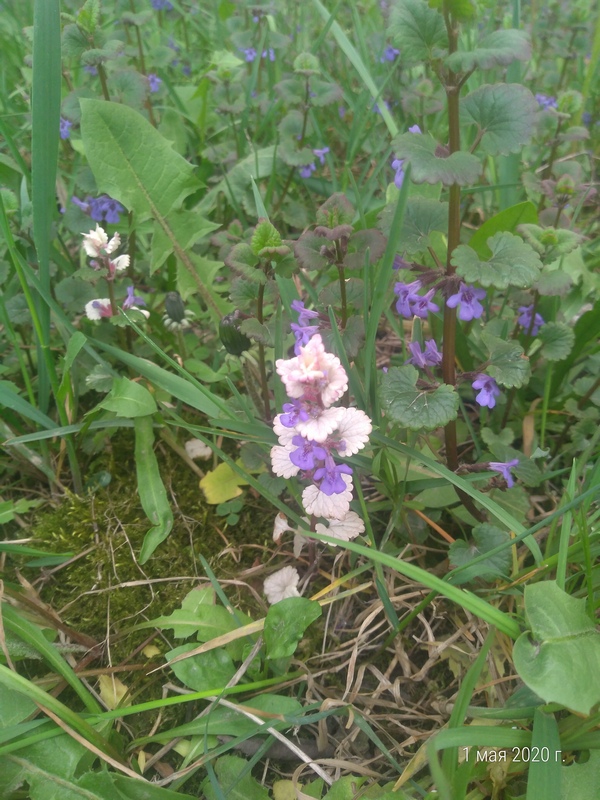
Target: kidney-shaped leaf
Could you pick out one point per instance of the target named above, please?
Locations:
(559, 658)
(413, 407)
(430, 164)
(512, 263)
(505, 115)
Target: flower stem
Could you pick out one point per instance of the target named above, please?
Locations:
(261, 356)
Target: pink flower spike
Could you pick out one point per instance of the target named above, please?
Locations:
(334, 506)
(96, 309)
(95, 242)
(282, 584)
(314, 373)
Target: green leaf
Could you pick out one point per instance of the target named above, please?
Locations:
(506, 220)
(188, 620)
(285, 624)
(431, 163)
(257, 331)
(485, 538)
(553, 283)
(415, 408)
(136, 165)
(151, 490)
(509, 365)
(558, 340)
(229, 771)
(559, 657)
(423, 216)
(505, 116)
(211, 670)
(417, 30)
(550, 243)
(336, 210)
(500, 48)
(265, 235)
(512, 263)
(221, 484)
(580, 780)
(129, 399)
(362, 243)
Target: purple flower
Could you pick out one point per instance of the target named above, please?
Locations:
(162, 5)
(389, 54)
(384, 104)
(303, 334)
(270, 53)
(399, 176)
(430, 357)
(307, 453)
(305, 314)
(132, 301)
(294, 413)
(341, 112)
(504, 468)
(467, 298)
(249, 53)
(111, 210)
(586, 118)
(546, 101)
(489, 390)
(307, 170)
(407, 295)
(84, 205)
(65, 128)
(186, 69)
(331, 477)
(154, 82)
(423, 305)
(415, 129)
(90, 69)
(525, 320)
(320, 153)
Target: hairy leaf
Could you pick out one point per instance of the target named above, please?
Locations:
(512, 263)
(417, 30)
(559, 657)
(500, 48)
(427, 166)
(285, 624)
(416, 408)
(485, 538)
(509, 366)
(558, 339)
(504, 115)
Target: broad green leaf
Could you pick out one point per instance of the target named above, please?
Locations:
(485, 538)
(558, 340)
(461, 10)
(221, 484)
(417, 30)
(362, 245)
(129, 399)
(184, 621)
(211, 670)
(229, 770)
(580, 780)
(559, 657)
(431, 164)
(259, 164)
(504, 114)
(500, 48)
(415, 408)
(506, 220)
(14, 707)
(423, 216)
(508, 364)
(151, 490)
(553, 283)
(136, 165)
(285, 624)
(345, 788)
(512, 263)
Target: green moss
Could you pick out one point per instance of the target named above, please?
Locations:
(106, 591)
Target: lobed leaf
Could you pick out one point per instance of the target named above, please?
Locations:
(504, 114)
(485, 538)
(508, 364)
(418, 30)
(430, 164)
(512, 263)
(500, 48)
(415, 408)
(558, 340)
